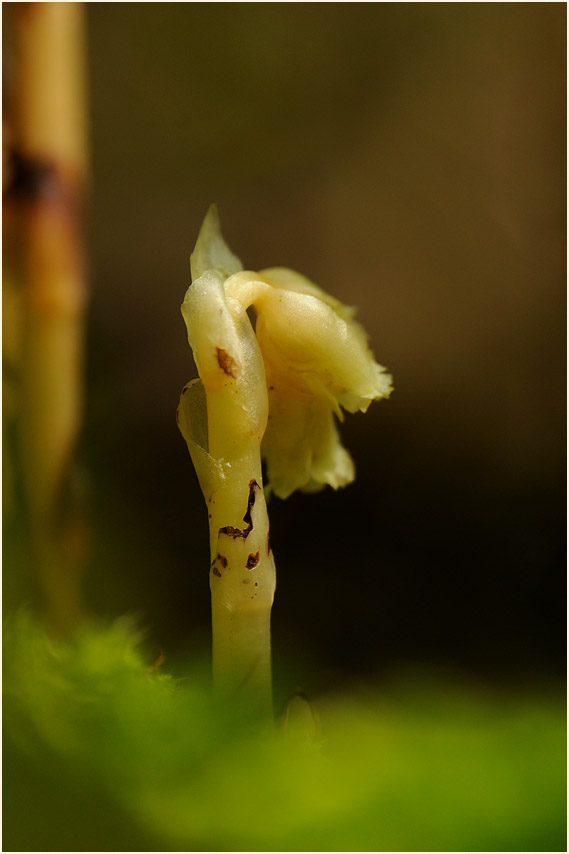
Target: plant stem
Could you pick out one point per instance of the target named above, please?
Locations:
(48, 277)
(223, 417)
(242, 571)
(242, 582)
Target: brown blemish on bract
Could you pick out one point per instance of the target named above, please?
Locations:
(226, 362)
(252, 561)
(216, 571)
(233, 532)
(222, 559)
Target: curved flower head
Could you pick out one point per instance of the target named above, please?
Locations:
(225, 349)
(316, 361)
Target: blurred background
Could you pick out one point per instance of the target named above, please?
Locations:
(410, 159)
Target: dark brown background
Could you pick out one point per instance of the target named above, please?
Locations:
(410, 159)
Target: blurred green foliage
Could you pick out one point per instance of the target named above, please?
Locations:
(102, 752)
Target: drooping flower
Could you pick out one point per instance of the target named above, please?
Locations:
(316, 358)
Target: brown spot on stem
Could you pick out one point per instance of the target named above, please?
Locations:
(252, 561)
(223, 560)
(42, 185)
(31, 177)
(216, 571)
(253, 489)
(226, 362)
(233, 532)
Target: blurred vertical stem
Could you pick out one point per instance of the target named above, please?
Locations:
(45, 286)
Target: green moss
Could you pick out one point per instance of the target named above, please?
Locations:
(103, 754)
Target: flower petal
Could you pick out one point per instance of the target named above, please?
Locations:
(290, 280)
(306, 340)
(301, 447)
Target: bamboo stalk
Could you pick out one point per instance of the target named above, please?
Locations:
(45, 205)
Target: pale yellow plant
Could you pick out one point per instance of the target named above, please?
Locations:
(267, 392)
